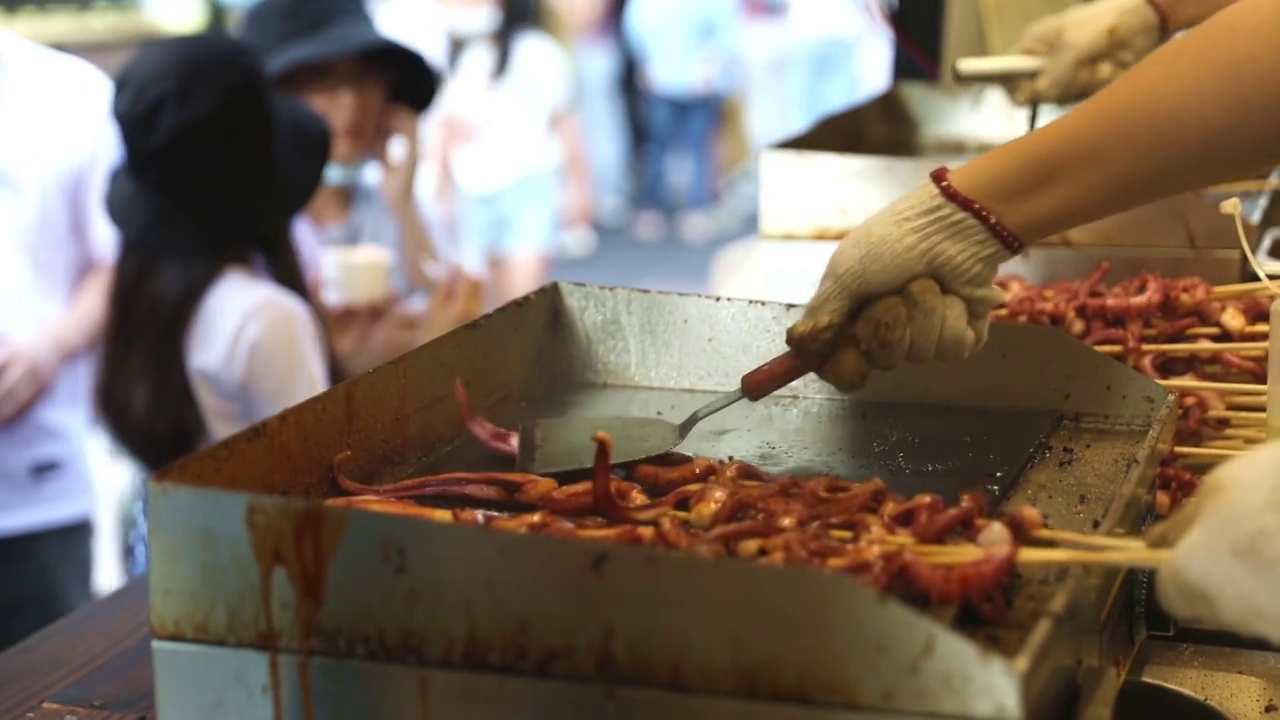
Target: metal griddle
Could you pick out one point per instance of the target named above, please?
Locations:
(913, 447)
(261, 598)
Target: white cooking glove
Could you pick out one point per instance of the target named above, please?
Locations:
(1086, 47)
(1225, 569)
(921, 235)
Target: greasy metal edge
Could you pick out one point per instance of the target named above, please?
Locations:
(203, 681)
(639, 615)
(1098, 598)
(633, 357)
(535, 321)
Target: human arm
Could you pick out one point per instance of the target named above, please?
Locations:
(82, 325)
(568, 129)
(1195, 112)
(1090, 44)
(550, 85)
(1224, 569)
(401, 160)
(1186, 14)
(28, 368)
(419, 251)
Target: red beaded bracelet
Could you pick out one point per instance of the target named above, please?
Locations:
(1164, 17)
(942, 180)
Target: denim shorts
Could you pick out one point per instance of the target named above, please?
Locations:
(135, 526)
(520, 220)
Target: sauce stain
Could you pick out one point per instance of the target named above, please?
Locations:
(302, 540)
(402, 411)
(349, 396)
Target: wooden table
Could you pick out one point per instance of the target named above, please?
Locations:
(95, 664)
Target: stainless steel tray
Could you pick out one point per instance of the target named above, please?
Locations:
(240, 557)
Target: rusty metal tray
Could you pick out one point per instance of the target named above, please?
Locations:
(242, 557)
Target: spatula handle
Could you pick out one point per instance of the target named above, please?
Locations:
(776, 374)
(997, 67)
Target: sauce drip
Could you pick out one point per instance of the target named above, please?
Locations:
(301, 539)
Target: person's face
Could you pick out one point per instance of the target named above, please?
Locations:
(351, 96)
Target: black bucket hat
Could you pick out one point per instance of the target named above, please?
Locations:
(215, 157)
(291, 34)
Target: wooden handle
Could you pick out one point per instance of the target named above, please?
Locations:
(997, 67)
(776, 374)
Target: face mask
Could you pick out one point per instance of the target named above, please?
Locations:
(473, 21)
(341, 175)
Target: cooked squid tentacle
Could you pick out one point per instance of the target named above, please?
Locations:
(1151, 309)
(733, 509)
(497, 439)
(975, 582)
(664, 474)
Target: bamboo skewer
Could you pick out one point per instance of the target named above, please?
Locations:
(1238, 444)
(1062, 537)
(1255, 435)
(1238, 416)
(1045, 535)
(1252, 354)
(1137, 558)
(1222, 292)
(1237, 388)
(1187, 451)
(1246, 402)
(1214, 331)
(1196, 348)
(1186, 348)
(1068, 537)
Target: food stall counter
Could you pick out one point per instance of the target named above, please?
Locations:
(94, 664)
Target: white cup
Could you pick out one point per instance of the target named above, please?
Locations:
(354, 275)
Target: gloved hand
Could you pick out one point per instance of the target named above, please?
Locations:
(1086, 47)
(942, 317)
(1225, 568)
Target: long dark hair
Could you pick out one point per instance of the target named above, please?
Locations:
(516, 16)
(143, 390)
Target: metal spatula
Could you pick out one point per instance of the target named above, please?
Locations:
(998, 68)
(562, 444)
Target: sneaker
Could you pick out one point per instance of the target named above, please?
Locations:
(697, 227)
(649, 227)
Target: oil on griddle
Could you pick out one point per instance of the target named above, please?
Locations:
(914, 448)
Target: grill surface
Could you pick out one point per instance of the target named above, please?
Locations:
(240, 559)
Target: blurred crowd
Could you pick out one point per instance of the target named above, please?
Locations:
(237, 222)
(659, 100)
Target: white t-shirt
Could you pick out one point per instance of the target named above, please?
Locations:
(58, 146)
(511, 115)
(253, 348)
(417, 24)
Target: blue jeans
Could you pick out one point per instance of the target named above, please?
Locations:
(688, 124)
(136, 545)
